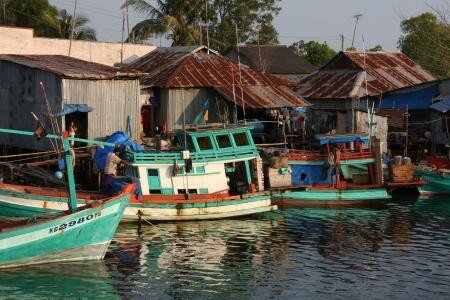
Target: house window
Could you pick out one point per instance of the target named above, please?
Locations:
(223, 141)
(204, 143)
(241, 139)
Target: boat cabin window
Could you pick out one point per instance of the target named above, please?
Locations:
(179, 142)
(191, 191)
(241, 139)
(152, 172)
(131, 171)
(204, 143)
(200, 169)
(223, 141)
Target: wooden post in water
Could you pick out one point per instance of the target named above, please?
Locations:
(376, 149)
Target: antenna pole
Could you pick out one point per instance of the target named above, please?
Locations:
(234, 97)
(74, 16)
(259, 49)
(240, 73)
(128, 21)
(354, 29)
(123, 32)
(207, 25)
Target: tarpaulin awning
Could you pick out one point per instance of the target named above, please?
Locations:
(302, 109)
(337, 139)
(442, 106)
(72, 108)
(419, 99)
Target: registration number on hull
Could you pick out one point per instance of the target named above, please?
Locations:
(75, 222)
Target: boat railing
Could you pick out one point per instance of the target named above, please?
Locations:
(317, 156)
(150, 156)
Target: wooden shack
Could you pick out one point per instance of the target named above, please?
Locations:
(109, 99)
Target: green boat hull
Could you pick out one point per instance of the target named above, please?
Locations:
(437, 183)
(62, 237)
(331, 197)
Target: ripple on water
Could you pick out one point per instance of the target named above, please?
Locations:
(397, 251)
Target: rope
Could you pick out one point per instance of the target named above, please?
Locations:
(42, 152)
(161, 230)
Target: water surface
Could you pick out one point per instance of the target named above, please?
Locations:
(397, 251)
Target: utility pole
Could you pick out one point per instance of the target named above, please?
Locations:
(342, 42)
(354, 29)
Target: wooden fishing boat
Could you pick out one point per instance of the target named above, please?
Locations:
(360, 182)
(69, 235)
(438, 181)
(218, 175)
(27, 201)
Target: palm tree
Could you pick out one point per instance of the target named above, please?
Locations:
(80, 31)
(177, 18)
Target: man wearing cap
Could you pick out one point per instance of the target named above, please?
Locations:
(112, 162)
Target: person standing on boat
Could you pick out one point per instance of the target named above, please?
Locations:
(72, 131)
(112, 162)
(337, 162)
(328, 167)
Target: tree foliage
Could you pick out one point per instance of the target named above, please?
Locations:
(45, 19)
(185, 22)
(80, 30)
(316, 53)
(426, 40)
(36, 14)
(178, 19)
(253, 19)
(376, 48)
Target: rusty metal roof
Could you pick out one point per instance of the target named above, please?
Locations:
(346, 74)
(194, 67)
(275, 59)
(69, 67)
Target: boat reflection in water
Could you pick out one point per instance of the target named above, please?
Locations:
(81, 280)
(396, 251)
(196, 257)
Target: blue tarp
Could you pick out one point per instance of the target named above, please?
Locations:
(302, 109)
(420, 99)
(71, 108)
(116, 186)
(442, 106)
(118, 138)
(337, 139)
(309, 174)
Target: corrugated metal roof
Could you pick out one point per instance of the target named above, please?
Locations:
(275, 59)
(69, 67)
(194, 67)
(345, 75)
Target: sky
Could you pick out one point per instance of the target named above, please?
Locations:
(320, 20)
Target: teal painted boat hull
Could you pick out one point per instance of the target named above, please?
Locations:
(331, 197)
(62, 237)
(437, 184)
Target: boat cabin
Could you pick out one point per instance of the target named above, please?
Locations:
(357, 164)
(221, 161)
